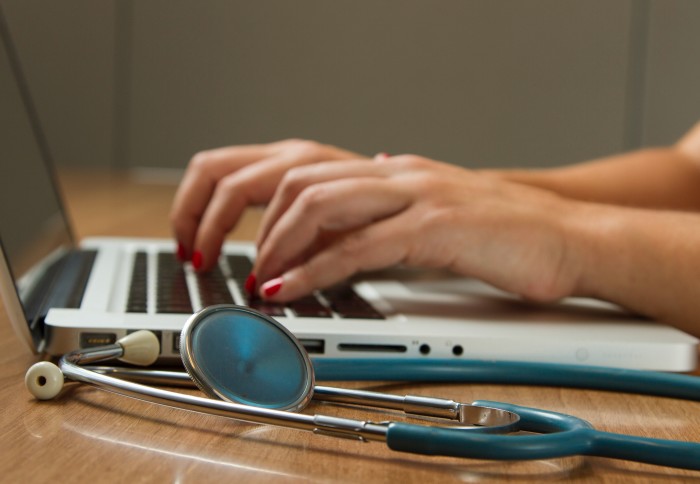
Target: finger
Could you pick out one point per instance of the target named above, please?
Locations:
(381, 156)
(300, 178)
(377, 246)
(336, 205)
(253, 184)
(199, 182)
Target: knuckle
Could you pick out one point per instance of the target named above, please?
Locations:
(307, 148)
(432, 183)
(411, 161)
(201, 161)
(228, 183)
(293, 180)
(306, 277)
(313, 197)
(291, 141)
(352, 245)
(439, 218)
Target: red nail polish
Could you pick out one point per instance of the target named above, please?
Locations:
(250, 284)
(197, 260)
(381, 156)
(272, 287)
(181, 252)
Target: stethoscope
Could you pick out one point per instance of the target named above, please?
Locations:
(252, 368)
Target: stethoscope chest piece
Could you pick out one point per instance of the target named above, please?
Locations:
(243, 356)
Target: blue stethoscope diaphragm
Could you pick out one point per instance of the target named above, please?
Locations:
(246, 357)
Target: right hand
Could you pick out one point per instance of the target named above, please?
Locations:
(329, 221)
(219, 184)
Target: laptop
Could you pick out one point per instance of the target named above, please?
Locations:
(61, 294)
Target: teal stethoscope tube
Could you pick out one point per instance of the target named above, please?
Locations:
(562, 435)
(559, 435)
(674, 385)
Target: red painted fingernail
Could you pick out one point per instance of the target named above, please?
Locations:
(197, 260)
(381, 156)
(181, 252)
(250, 284)
(271, 287)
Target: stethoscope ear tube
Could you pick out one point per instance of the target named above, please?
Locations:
(570, 436)
(642, 382)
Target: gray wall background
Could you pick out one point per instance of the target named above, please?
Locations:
(146, 83)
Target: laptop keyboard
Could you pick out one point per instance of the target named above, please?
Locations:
(172, 293)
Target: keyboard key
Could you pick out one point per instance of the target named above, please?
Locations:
(240, 266)
(310, 307)
(213, 288)
(138, 291)
(172, 291)
(269, 308)
(348, 304)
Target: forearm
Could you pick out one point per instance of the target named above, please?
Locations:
(666, 178)
(644, 260)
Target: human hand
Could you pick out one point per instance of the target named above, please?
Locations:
(219, 184)
(331, 220)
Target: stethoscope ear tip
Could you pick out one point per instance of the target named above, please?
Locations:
(141, 348)
(44, 380)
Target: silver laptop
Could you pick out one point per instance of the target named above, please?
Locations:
(61, 295)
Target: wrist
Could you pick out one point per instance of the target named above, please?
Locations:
(598, 238)
(543, 178)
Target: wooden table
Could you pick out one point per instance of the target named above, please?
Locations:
(91, 435)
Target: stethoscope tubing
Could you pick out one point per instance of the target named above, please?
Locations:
(571, 436)
(686, 387)
(69, 366)
(558, 435)
(247, 413)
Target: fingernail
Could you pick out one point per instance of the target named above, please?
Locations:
(181, 252)
(250, 284)
(381, 156)
(197, 260)
(271, 287)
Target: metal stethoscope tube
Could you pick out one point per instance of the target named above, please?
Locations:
(117, 380)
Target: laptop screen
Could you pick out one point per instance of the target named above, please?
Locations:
(33, 228)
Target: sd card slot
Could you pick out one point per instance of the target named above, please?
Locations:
(375, 348)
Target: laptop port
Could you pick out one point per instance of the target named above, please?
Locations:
(314, 346)
(90, 340)
(378, 348)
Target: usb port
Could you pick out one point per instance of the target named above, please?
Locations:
(313, 346)
(89, 340)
